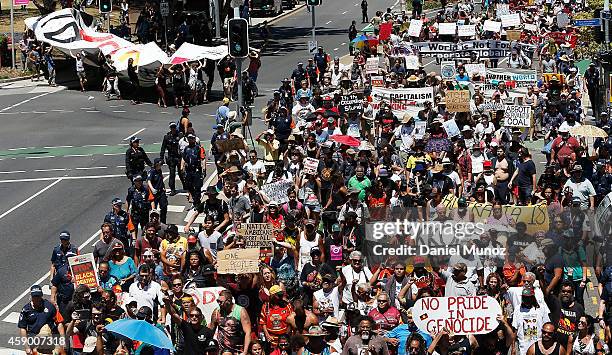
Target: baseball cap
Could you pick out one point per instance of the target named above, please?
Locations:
(191, 135)
(487, 164)
(134, 139)
(172, 123)
(315, 250)
(36, 291)
(211, 345)
(139, 177)
(157, 161)
(65, 235)
(117, 201)
(275, 289)
(335, 227)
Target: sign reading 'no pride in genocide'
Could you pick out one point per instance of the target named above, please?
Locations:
(238, 261)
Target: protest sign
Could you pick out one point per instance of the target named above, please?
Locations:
(310, 166)
(513, 35)
(603, 217)
(511, 20)
(447, 28)
(466, 30)
(371, 66)
(530, 27)
(561, 38)
(501, 10)
(84, 270)
(447, 70)
(492, 26)
(415, 28)
(406, 100)
(257, 235)
(458, 101)
(238, 261)
(549, 76)
(513, 78)
(412, 62)
(476, 70)
(492, 106)
(420, 127)
(451, 128)
(517, 116)
(385, 31)
(21, 2)
(206, 299)
(459, 315)
(351, 103)
(227, 145)
(277, 191)
(535, 216)
(377, 81)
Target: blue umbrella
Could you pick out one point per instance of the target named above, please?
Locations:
(141, 331)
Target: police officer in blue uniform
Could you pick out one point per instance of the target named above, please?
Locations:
(135, 159)
(119, 219)
(35, 315)
(171, 145)
(191, 164)
(61, 252)
(155, 182)
(138, 204)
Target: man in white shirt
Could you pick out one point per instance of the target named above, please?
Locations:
(147, 292)
(355, 271)
(457, 284)
(255, 167)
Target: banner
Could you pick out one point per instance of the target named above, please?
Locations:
(377, 81)
(492, 106)
(476, 70)
(561, 38)
(514, 78)
(466, 30)
(458, 101)
(188, 52)
(257, 235)
(21, 2)
(311, 166)
(451, 128)
(450, 50)
(511, 20)
(447, 28)
(205, 299)
(351, 103)
(407, 100)
(492, 26)
(371, 66)
(277, 191)
(84, 270)
(459, 315)
(517, 116)
(415, 28)
(238, 261)
(385, 31)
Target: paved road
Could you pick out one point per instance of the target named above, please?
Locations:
(61, 153)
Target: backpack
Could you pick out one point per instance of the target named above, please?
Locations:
(192, 158)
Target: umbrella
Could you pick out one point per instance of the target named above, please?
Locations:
(346, 140)
(589, 131)
(364, 40)
(140, 330)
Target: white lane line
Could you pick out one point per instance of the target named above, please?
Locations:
(343, 43)
(24, 101)
(86, 177)
(60, 146)
(111, 154)
(10, 113)
(344, 13)
(96, 145)
(176, 208)
(119, 111)
(336, 48)
(93, 168)
(356, 4)
(61, 110)
(22, 148)
(39, 112)
(87, 108)
(57, 180)
(49, 156)
(46, 170)
(328, 22)
(133, 134)
(121, 166)
(92, 111)
(165, 112)
(12, 172)
(77, 155)
(39, 281)
(113, 106)
(144, 112)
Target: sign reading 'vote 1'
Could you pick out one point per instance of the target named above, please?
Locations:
(459, 315)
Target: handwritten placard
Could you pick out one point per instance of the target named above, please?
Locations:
(238, 261)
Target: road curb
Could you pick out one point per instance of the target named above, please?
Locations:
(12, 80)
(283, 15)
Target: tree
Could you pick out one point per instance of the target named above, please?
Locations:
(47, 7)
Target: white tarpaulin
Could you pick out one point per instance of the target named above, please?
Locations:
(189, 52)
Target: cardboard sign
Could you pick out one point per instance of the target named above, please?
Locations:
(476, 70)
(385, 31)
(371, 66)
(451, 128)
(466, 30)
(447, 70)
(415, 28)
(513, 35)
(377, 81)
(227, 145)
(84, 270)
(351, 103)
(535, 217)
(517, 116)
(460, 315)
(310, 166)
(257, 235)
(548, 77)
(277, 191)
(412, 62)
(447, 28)
(238, 261)
(420, 127)
(206, 299)
(511, 20)
(458, 101)
(492, 106)
(492, 26)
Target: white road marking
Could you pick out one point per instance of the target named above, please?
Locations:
(10, 113)
(77, 155)
(93, 168)
(39, 112)
(113, 106)
(336, 48)
(22, 148)
(111, 154)
(25, 101)
(176, 208)
(13, 172)
(49, 156)
(121, 166)
(57, 180)
(133, 134)
(344, 13)
(165, 112)
(60, 146)
(144, 112)
(46, 170)
(119, 111)
(62, 110)
(343, 43)
(328, 22)
(12, 317)
(92, 111)
(431, 61)
(96, 145)
(357, 4)
(86, 177)
(87, 108)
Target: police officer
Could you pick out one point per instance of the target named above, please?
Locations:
(38, 313)
(191, 164)
(61, 253)
(171, 144)
(135, 159)
(219, 134)
(138, 204)
(155, 181)
(119, 219)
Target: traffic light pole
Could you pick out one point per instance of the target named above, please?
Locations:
(239, 83)
(314, 25)
(13, 36)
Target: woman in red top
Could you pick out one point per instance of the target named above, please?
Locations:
(377, 202)
(273, 318)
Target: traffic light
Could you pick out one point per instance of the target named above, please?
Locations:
(314, 2)
(106, 6)
(238, 37)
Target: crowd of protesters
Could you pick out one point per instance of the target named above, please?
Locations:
(320, 290)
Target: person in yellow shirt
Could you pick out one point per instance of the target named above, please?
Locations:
(271, 147)
(418, 156)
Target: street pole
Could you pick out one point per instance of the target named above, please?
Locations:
(607, 23)
(217, 18)
(166, 31)
(239, 83)
(314, 26)
(12, 36)
(108, 14)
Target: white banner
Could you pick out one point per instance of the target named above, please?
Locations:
(517, 116)
(466, 30)
(447, 28)
(188, 52)
(511, 20)
(412, 62)
(410, 100)
(492, 26)
(531, 27)
(415, 28)
(475, 69)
